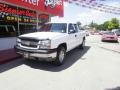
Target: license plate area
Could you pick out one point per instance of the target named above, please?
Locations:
(26, 55)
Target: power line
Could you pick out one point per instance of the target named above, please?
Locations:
(93, 4)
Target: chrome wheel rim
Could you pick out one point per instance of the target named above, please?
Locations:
(61, 56)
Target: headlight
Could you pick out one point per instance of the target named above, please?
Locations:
(18, 40)
(44, 44)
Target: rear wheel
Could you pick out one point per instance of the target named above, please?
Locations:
(61, 53)
(83, 44)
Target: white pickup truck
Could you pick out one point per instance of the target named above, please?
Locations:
(51, 42)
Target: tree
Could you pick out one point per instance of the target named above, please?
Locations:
(108, 25)
(93, 25)
(79, 23)
(105, 25)
(113, 24)
(101, 27)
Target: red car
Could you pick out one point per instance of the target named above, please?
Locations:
(110, 36)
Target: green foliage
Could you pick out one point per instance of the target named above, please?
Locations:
(93, 25)
(113, 24)
(108, 25)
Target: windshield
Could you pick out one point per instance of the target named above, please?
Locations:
(109, 33)
(54, 27)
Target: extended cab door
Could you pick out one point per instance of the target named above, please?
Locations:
(72, 39)
(79, 34)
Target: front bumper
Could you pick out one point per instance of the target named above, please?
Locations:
(49, 54)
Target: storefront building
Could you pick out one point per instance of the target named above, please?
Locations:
(24, 16)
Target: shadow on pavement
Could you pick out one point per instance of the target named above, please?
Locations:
(110, 41)
(10, 65)
(117, 88)
(72, 57)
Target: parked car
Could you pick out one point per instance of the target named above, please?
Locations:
(51, 43)
(101, 32)
(87, 32)
(109, 36)
(117, 31)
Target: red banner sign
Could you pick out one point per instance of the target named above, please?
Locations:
(13, 10)
(10, 13)
(54, 7)
(44, 16)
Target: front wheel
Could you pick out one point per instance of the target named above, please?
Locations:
(61, 53)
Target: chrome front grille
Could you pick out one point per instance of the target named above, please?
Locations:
(29, 43)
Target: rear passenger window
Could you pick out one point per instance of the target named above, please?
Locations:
(76, 27)
(71, 29)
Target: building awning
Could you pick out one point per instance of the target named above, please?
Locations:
(53, 7)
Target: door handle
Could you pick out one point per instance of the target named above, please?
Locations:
(75, 35)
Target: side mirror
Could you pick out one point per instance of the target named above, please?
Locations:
(71, 31)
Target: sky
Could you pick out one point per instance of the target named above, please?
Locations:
(74, 13)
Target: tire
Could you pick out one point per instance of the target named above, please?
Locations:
(116, 41)
(103, 40)
(61, 53)
(82, 45)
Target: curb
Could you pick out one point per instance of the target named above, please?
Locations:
(8, 55)
(111, 50)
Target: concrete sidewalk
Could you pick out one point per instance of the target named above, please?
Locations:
(112, 47)
(8, 55)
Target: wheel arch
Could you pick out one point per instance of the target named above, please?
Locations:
(63, 45)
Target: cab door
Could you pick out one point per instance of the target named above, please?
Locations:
(72, 38)
(79, 35)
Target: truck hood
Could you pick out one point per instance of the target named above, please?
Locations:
(43, 35)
